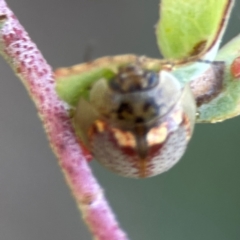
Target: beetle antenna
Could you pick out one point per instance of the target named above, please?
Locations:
(89, 51)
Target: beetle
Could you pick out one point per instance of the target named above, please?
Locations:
(137, 124)
(136, 115)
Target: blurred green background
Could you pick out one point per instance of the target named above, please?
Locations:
(199, 199)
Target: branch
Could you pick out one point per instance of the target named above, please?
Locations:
(37, 76)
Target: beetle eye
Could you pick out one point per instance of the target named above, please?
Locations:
(152, 78)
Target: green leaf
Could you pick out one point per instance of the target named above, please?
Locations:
(72, 87)
(189, 28)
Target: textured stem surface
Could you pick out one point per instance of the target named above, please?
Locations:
(30, 66)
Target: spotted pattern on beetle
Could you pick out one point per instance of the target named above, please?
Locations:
(166, 144)
(137, 124)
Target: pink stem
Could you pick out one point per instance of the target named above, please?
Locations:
(30, 66)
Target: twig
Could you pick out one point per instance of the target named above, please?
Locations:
(37, 76)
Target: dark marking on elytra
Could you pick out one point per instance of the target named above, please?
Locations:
(125, 110)
(140, 132)
(150, 106)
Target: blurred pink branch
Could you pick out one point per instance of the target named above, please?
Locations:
(30, 66)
